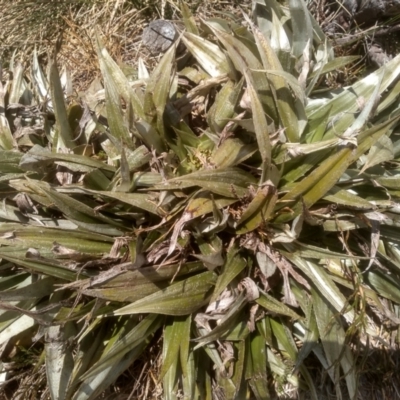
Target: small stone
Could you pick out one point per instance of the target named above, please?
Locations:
(377, 56)
(159, 36)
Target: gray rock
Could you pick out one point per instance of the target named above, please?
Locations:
(370, 10)
(351, 6)
(159, 36)
(377, 55)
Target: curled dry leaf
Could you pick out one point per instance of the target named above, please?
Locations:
(251, 288)
(25, 204)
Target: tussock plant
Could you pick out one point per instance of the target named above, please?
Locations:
(221, 227)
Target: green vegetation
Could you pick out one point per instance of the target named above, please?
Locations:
(224, 226)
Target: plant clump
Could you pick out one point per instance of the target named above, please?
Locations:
(219, 225)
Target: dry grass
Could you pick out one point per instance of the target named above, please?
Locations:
(27, 25)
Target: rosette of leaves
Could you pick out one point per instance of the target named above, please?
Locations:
(224, 205)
